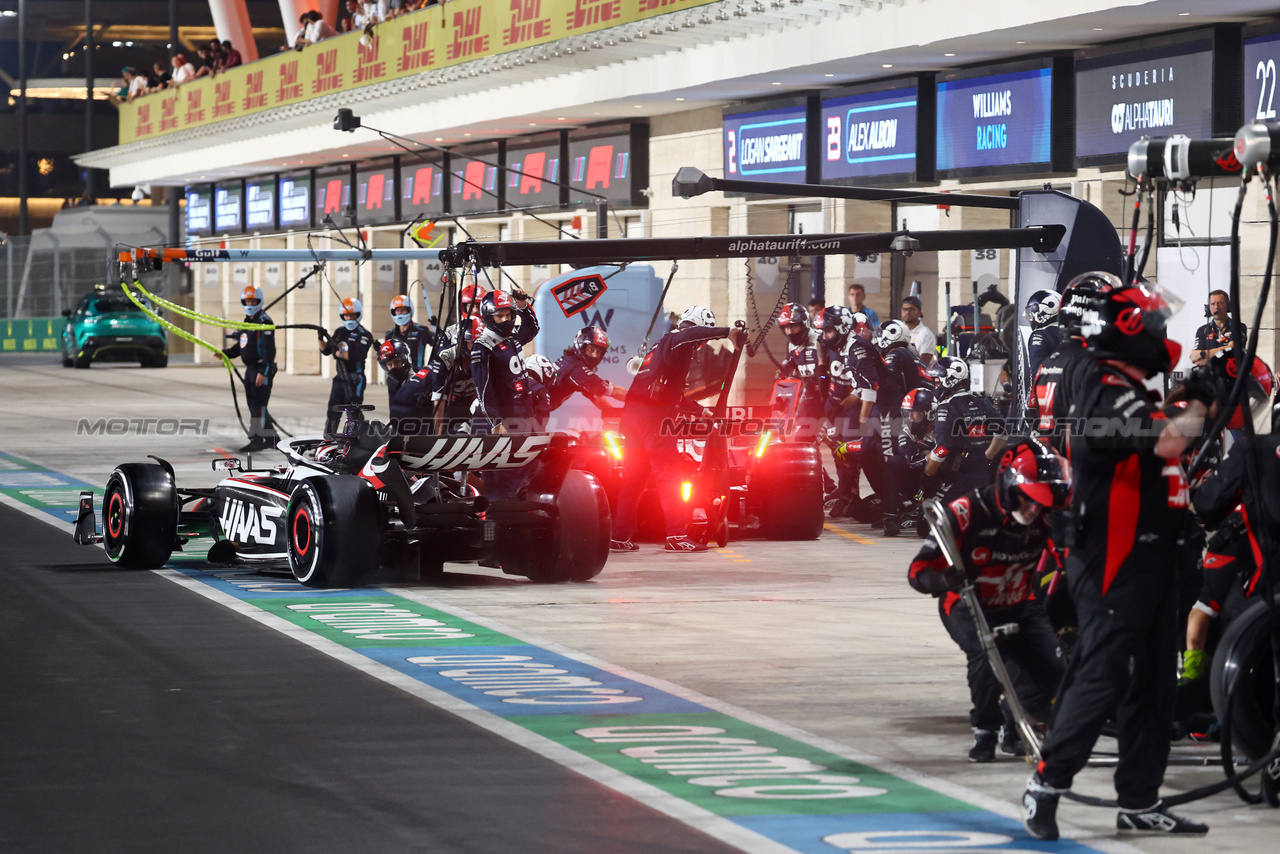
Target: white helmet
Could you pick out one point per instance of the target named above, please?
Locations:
(698, 315)
(400, 303)
(951, 376)
(541, 367)
(351, 305)
(251, 292)
(893, 332)
(1042, 307)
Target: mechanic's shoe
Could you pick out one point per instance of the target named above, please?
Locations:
(892, 526)
(912, 521)
(254, 444)
(984, 746)
(1040, 809)
(1158, 819)
(684, 544)
(623, 546)
(838, 508)
(1010, 742)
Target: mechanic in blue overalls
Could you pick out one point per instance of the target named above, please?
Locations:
(505, 399)
(654, 400)
(349, 345)
(257, 348)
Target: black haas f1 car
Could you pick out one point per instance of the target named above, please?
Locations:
(341, 509)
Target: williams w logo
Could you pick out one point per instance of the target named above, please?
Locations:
(597, 320)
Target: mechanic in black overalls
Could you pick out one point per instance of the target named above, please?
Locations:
(257, 348)
(1050, 403)
(806, 361)
(505, 400)
(1130, 500)
(904, 469)
(452, 390)
(963, 427)
(349, 345)
(575, 371)
(1002, 532)
(655, 399)
(418, 338)
(854, 371)
(1046, 334)
(408, 391)
(900, 373)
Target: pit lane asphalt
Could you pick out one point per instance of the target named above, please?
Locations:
(825, 636)
(138, 717)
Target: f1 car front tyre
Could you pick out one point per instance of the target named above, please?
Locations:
(140, 516)
(576, 544)
(333, 531)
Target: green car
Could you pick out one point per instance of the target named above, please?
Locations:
(107, 327)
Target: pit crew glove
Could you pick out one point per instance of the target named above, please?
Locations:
(1193, 665)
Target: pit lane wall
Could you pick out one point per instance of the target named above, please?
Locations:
(430, 39)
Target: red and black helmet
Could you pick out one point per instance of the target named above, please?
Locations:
(392, 349)
(494, 302)
(1032, 469)
(592, 336)
(1127, 323)
(924, 401)
(837, 323)
(472, 296)
(794, 314)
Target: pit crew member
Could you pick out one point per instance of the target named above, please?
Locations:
(1002, 532)
(1129, 502)
(654, 400)
(257, 349)
(349, 345)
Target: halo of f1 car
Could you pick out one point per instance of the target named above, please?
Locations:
(340, 509)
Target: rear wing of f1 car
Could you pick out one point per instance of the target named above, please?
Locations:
(504, 451)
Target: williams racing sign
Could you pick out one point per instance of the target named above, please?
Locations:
(579, 294)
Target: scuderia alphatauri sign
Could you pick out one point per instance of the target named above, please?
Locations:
(1157, 92)
(579, 293)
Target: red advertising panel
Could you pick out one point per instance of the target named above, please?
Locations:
(474, 186)
(536, 169)
(376, 192)
(610, 161)
(422, 187)
(333, 193)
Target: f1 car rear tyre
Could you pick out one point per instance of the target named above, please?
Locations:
(576, 545)
(140, 516)
(333, 531)
(1243, 667)
(786, 490)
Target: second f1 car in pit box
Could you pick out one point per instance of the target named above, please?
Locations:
(340, 510)
(745, 470)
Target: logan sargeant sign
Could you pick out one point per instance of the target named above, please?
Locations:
(767, 145)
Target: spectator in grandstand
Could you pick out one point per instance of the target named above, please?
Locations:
(230, 56)
(182, 69)
(318, 29)
(135, 80)
(160, 77)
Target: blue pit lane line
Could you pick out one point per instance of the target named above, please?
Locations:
(745, 779)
